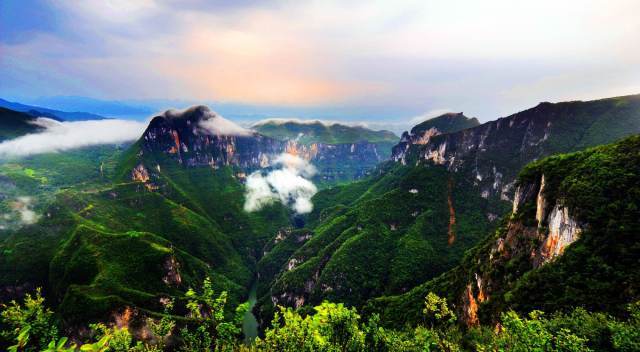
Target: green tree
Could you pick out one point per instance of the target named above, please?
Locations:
(61, 345)
(626, 336)
(162, 328)
(437, 312)
(30, 326)
(332, 328)
(532, 334)
(212, 331)
(111, 339)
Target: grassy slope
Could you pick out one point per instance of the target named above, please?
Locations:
(598, 272)
(41, 176)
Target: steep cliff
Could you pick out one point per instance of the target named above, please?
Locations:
(198, 137)
(570, 240)
(492, 153)
(422, 133)
(341, 152)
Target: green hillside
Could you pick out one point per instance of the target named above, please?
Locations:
(309, 132)
(387, 234)
(104, 246)
(446, 123)
(599, 187)
(375, 237)
(120, 229)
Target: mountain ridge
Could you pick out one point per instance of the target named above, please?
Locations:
(551, 235)
(181, 135)
(464, 188)
(316, 131)
(38, 111)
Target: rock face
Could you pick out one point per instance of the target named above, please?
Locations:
(198, 137)
(188, 138)
(422, 133)
(535, 242)
(335, 160)
(563, 230)
(491, 154)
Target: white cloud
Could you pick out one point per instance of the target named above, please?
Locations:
(220, 126)
(62, 136)
(24, 207)
(210, 122)
(288, 184)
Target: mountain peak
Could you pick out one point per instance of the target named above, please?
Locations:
(446, 123)
(198, 119)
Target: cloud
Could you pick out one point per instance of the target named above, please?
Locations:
(288, 184)
(62, 136)
(218, 125)
(209, 121)
(24, 207)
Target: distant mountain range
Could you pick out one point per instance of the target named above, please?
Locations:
(314, 131)
(109, 108)
(14, 124)
(39, 111)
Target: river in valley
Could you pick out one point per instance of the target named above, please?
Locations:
(249, 322)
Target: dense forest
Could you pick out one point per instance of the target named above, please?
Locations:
(533, 303)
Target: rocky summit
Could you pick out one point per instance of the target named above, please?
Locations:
(198, 137)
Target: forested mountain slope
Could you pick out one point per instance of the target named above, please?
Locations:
(415, 219)
(309, 132)
(159, 225)
(571, 240)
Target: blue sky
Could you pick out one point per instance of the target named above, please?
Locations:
(380, 61)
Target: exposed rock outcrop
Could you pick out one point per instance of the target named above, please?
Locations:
(172, 272)
(563, 230)
(535, 242)
(452, 215)
(491, 154)
(192, 139)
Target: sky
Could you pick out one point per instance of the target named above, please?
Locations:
(382, 62)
